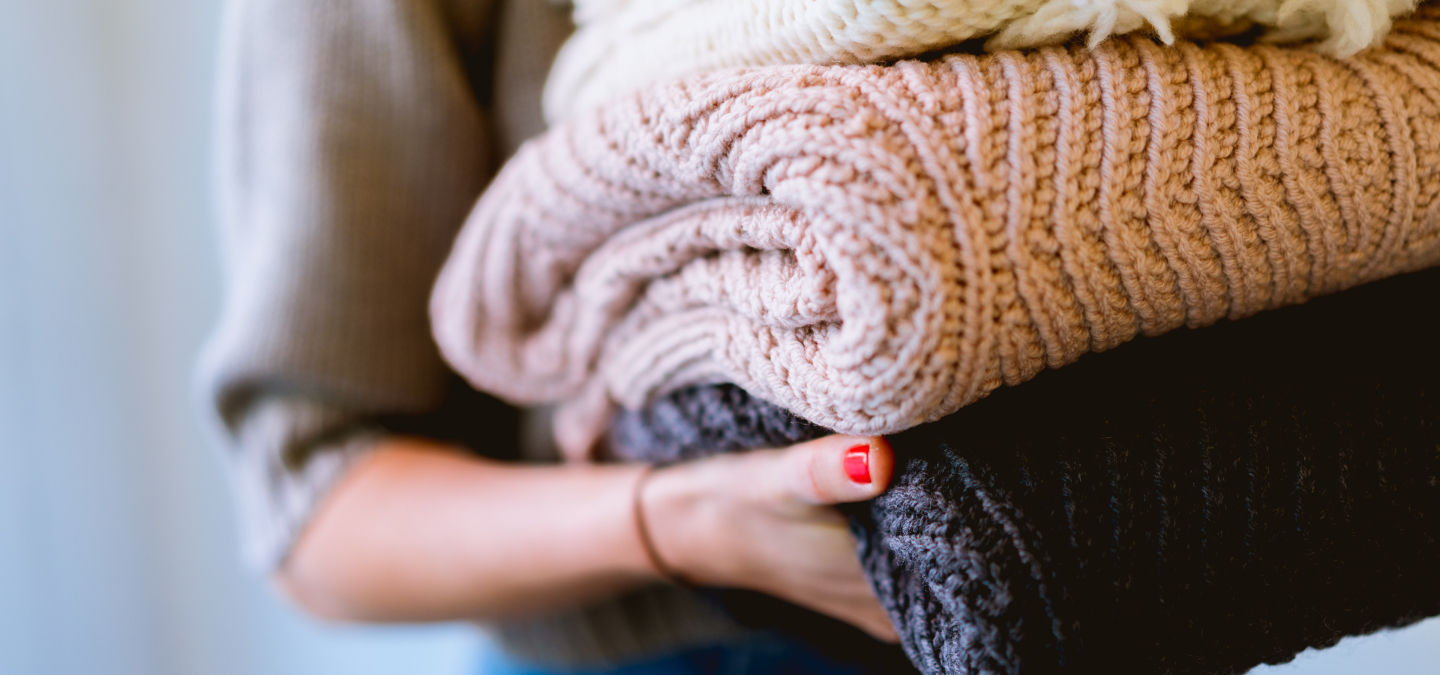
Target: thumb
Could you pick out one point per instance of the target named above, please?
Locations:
(837, 469)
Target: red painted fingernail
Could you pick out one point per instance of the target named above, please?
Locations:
(857, 464)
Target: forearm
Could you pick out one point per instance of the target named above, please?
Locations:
(420, 532)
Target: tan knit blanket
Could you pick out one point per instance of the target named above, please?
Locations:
(875, 247)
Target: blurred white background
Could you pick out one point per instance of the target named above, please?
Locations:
(117, 553)
(116, 549)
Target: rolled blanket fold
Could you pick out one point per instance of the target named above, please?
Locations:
(1199, 504)
(623, 45)
(873, 247)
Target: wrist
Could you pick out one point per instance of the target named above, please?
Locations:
(630, 554)
(658, 564)
(688, 526)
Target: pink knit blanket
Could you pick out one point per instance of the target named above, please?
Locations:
(874, 247)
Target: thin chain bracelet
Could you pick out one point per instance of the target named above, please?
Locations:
(643, 528)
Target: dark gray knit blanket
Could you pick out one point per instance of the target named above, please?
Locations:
(1202, 502)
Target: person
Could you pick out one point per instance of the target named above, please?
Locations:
(353, 137)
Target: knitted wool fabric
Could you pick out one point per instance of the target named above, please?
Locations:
(874, 247)
(1199, 503)
(623, 45)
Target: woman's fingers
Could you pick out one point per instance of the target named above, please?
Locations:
(815, 560)
(871, 618)
(763, 520)
(847, 597)
(837, 469)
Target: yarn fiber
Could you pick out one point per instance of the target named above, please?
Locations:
(1200, 503)
(623, 45)
(874, 247)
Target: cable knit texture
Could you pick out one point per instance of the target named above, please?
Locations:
(875, 247)
(622, 45)
(1199, 503)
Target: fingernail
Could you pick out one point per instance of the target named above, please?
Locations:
(857, 464)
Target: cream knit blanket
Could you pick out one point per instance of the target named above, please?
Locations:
(874, 247)
(622, 45)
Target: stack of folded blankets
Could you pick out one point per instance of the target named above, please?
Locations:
(755, 256)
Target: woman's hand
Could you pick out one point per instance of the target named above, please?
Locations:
(763, 520)
(420, 531)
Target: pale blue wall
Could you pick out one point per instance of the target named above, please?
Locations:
(116, 547)
(116, 552)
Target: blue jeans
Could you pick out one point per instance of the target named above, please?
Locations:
(764, 654)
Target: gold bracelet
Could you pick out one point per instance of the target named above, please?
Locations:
(665, 571)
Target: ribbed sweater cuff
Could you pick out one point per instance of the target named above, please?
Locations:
(285, 457)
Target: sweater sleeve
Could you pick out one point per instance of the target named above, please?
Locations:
(350, 144)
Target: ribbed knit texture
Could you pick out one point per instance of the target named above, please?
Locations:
(875, 247)
(1199, 503)
(623, 45)
(300, 448)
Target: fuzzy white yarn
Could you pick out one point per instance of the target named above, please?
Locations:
(623, 45)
